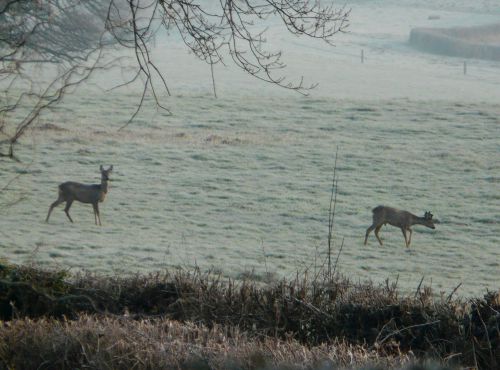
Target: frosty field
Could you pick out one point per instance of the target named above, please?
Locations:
(241, 183)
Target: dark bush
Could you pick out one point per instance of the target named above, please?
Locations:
(311, 312)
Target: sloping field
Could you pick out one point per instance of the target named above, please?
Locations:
(470, 42)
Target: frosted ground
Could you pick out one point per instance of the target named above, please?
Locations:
(242, 183)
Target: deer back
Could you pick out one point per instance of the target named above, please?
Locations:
(81, 192)
(392, 216)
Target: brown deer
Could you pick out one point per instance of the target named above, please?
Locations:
(71, 191)
(383, 215)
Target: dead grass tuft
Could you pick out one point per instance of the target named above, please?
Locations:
(367, 319)
(124, 343)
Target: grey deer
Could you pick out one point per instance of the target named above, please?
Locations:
(383, 215)
(70, 191)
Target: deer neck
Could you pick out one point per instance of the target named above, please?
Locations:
(104, 186)
(418, 220)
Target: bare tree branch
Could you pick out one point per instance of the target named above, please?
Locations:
(70, 37)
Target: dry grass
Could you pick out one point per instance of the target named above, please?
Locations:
(315, 316)
(123, 343)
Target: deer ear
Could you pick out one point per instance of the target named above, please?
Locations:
(110, 168)
(100, 168)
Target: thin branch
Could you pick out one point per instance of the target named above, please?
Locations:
(408, 328)
(69, 33)
(331, 210)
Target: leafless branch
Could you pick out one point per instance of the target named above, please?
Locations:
(70, 36)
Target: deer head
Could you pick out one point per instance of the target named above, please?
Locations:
(105, 173)
(428, 221)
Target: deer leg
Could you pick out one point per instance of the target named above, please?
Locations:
(409, 239)
(55, 204)
(377, 229)
(97, 216)
(368, 231)
(404, 234)
(66, 209)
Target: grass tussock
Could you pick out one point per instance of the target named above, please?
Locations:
(371, 321)
(123, 343)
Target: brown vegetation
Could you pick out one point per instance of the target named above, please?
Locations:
(77, 317)
(122, 343)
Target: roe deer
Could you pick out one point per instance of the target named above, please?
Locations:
(403, 219)
(71, 191)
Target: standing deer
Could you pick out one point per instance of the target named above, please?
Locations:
(71, 191)
(383, 215)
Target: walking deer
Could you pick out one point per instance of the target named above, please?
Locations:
(71, 191)
(383, 215)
